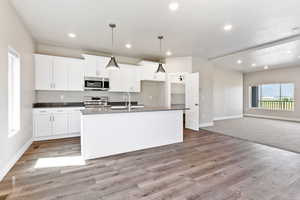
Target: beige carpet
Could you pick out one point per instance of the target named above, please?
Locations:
(276, 133)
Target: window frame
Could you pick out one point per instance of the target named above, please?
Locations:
(266, 109)
(14, 91)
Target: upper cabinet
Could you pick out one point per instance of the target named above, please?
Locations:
(95, 66)
(148, 71)
(67, 74)
(176, 77)
(43, 72)
(126, 79)
(58, 73)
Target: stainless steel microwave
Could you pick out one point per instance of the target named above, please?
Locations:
(96, 84)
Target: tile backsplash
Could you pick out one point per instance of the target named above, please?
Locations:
(152, 94)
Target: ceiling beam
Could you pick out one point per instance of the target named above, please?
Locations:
(259, 47)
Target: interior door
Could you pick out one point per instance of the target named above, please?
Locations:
(192, 101)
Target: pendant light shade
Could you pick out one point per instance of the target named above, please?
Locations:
(112, 64)
(160, 68)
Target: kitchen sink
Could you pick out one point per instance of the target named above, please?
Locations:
(125, 107)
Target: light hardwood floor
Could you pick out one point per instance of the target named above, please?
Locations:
(205, 166)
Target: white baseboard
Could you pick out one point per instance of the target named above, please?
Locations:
(203, 125)
(228, 117)
(54, 137)
(14, 159)
(273, 117)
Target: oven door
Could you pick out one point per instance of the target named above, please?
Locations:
(93, 85)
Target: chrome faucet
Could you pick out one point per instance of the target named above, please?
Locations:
(129, 101)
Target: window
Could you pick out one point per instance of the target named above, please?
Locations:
(13, 91)
(278, 96)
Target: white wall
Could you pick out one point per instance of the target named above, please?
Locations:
(14, 34)
(283, 75)
(227, 93)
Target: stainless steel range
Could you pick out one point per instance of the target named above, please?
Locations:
(94, 101)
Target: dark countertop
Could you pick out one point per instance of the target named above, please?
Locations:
(74, 104)
(96, 111)
(58, 105)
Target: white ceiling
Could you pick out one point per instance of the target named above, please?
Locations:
(196, 28)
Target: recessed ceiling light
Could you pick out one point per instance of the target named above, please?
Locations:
(173, 6)
(168, 53)
(288, 52)
(128, 46)
(228, 27)
(266, 67)
(72, 35)
(254, 65)
(239, 62)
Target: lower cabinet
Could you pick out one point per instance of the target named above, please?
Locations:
(56, 123)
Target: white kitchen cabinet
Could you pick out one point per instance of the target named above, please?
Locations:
(43, 72)
(60, 123)
(76, 75)
(148, 71)
(74, 121)
(176, 78)
(115, 81)
(55, 123)
(95, 66)
(43, 124)
(126, 79)
(58, 73)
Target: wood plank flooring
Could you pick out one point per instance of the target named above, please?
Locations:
(205, 166)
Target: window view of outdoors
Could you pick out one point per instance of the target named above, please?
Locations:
(273, 96)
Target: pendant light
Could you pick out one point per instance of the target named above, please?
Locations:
(160, 68)
(112, 64)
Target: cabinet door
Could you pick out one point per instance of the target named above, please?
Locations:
(101, 71)
(76, 75)
(43, 72)
(130, 79)
(60, 73)
(115, 81)
(90, 66)
(149, 72)
(43, 125)
(74, 121)
(60, 123)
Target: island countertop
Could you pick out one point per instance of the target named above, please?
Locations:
(108, 110)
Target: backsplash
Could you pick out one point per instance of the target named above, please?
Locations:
(152, 94)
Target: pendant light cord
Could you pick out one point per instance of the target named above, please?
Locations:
(112, 40)
(160, 50)
(160, 47)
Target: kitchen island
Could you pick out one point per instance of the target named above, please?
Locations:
(106, 132)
